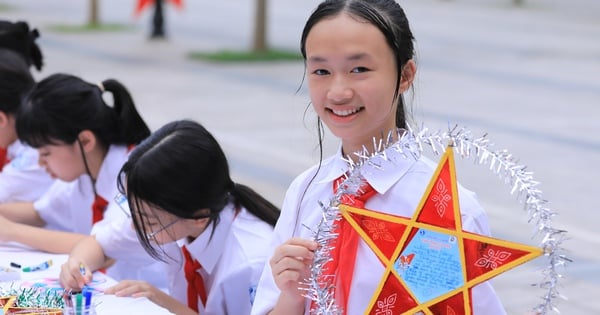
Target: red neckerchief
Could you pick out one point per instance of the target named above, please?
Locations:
(3, 158)
(194, 280)
(345, 245)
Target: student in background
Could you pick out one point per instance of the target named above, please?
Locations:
(20, 38)
(82, 142)
(21, 177)
(359, 64)
(188, 212)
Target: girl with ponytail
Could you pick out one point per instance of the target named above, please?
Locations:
(83, 142)
(187, 212)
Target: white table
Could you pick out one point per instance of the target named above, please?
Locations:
(106, 304)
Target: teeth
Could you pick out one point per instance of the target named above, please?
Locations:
(346, 112)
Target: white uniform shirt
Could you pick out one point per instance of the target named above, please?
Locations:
(67, 206)
(400, 186)
(23, 179)
(119, 241)
(232, 261)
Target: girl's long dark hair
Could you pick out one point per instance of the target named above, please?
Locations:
(61, 106)
(181, 169)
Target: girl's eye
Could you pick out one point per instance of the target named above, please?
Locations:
(44, 154)
(321, 72)
(359, 70)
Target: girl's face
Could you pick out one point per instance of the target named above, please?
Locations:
(163, 227)
(62, 161)
(352, 76)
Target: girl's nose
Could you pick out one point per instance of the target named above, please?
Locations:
(340, 92)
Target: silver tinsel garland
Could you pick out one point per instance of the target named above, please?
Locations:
(409, 144)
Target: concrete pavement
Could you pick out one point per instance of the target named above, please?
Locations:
(528, 76)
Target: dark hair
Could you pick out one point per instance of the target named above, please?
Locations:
(15, 81)
(181, 169)
(19, 38)
(61, 106)
(388, 17)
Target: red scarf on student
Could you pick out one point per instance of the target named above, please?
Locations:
(346, 245)
(100, 204)
(98, 208)
(3, 158)
(194, 279)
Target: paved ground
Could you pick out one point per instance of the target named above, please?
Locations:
(528, 76)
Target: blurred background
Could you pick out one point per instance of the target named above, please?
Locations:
(525, 72)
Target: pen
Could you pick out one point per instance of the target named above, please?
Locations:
(43, 266)
(87, 296)
(78, 304)
(15, 265)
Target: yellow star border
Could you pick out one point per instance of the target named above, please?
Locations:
(431, 264)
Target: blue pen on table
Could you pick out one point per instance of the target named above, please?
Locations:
(87, 298)
(43, 266)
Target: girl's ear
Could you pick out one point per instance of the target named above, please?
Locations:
(3, 119)
(88, 140)
(408, 75)
(201, 223)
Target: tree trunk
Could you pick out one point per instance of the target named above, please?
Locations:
(93, 19)
(260, 27)
(158, 21)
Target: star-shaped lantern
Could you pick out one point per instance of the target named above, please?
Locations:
(431, 264)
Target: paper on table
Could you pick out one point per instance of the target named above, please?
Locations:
(110, 304)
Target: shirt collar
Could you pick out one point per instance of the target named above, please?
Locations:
(208, 247)
(15, 148)
(109, 171)
(382, 171)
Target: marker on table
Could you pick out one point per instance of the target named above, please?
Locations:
(15, 265)
(78, 304)
(43, 266)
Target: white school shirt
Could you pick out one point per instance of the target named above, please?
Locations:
(67, 206)
(232, 261)
(23, 179)
(400, 185)
(119, 241)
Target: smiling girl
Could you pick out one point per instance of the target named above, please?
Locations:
(359, 64)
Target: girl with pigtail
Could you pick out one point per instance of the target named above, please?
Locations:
(82, 142)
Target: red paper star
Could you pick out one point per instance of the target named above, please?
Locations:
(142, 4)
(431, 264)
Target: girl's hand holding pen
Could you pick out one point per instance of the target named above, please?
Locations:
(74, 274)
